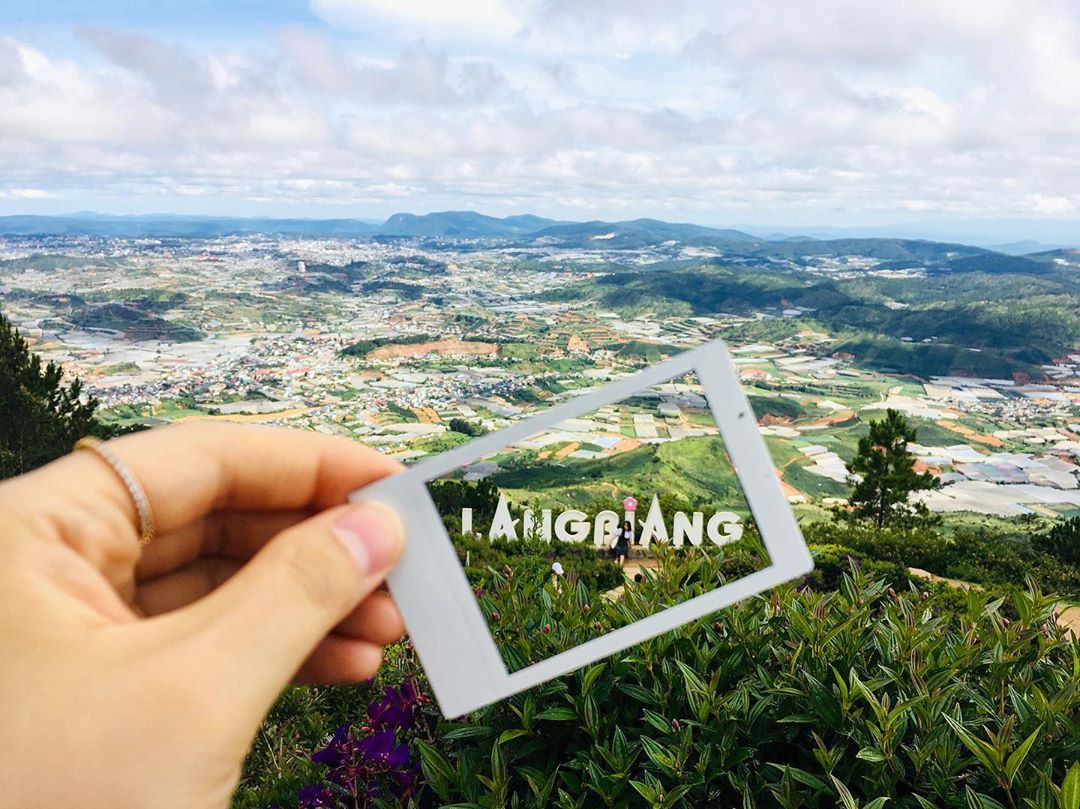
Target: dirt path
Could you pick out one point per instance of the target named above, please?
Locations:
(635, 566)
(1068, 615)
(926, 574)
(632, 567)
(839, 417)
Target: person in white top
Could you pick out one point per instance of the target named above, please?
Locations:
(623, 537)
(556, 575)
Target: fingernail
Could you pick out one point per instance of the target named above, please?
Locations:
(372, 534)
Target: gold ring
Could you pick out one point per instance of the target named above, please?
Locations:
(138, 496)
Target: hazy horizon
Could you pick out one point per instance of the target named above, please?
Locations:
(984, 233)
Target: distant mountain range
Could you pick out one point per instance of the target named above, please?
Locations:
(176, 226)
(1016, 236)
(462, 225)
(528, 230)
(456, 225)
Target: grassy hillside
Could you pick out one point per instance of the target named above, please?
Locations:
(696, 469)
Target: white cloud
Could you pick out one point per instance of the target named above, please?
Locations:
(418, 74)
(474, 19)
(30, 193)
(1054, 206)
(711, 109)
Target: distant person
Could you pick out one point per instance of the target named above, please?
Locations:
(623, 539)
(556, 576)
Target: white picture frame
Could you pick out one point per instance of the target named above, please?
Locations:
(446, 626)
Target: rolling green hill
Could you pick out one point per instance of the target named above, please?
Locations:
(973, 322)
(134, 323)
(695, 469)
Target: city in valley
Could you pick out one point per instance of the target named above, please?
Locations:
(411, 345)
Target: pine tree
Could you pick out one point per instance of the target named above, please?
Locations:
(41, 418)
(886, 476)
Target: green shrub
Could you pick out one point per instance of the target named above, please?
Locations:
(921, 547)
(1062, 542)
(466, 427)
(531, 619)
(451, 496)
(362, 348)
(973, 555)
(793, 700)
(918, 693)
(531, 559)
(831, 561)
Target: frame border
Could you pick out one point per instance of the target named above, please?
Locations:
(445, 623)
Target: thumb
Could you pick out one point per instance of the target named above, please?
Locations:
(265, 621)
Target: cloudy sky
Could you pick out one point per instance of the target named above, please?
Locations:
(777, 111)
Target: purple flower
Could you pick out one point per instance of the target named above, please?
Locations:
(399, 756)
(395, 709)
(370, 763)
(315, 796)
(379, 749)
(376, 747)
(337, 750)
(389, 714)
(404, 782)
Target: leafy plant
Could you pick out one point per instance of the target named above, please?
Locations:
(796, 699)
(867, 695)
(531, 560)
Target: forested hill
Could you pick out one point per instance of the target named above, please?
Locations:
(980, 318)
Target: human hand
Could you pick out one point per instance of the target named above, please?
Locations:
(137, 676)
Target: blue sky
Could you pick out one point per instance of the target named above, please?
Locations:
(161, 15)
(840, 112)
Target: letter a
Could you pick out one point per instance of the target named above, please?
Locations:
(654, 527)
(503, 526)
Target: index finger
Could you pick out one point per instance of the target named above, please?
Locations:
(192, 469)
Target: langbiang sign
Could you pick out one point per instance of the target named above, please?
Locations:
(572, 525)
